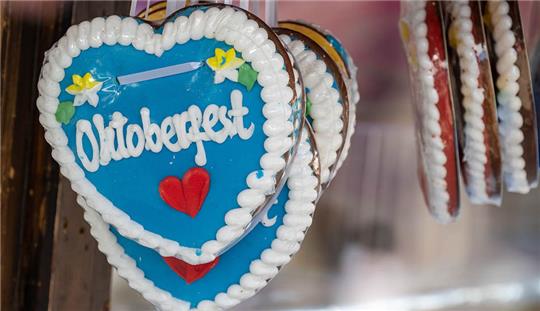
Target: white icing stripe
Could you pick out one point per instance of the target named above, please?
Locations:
(326, 110)
(475, 156)
(299, 210)
(225, 24)
(510, 119)
(434, 158)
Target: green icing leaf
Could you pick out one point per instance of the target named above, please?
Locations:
(308, 107)
(247, 76)
(65, 112)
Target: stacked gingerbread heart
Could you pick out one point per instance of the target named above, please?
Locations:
(200, 147)
(473, 101)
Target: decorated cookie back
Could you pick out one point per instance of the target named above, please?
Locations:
(475, 102)
(339, 55)
(327, 97)
(424, 41)
(516, 111)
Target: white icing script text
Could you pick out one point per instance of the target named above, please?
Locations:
(174, 133)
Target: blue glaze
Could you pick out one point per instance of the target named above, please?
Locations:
(132, 184)
(231, 266)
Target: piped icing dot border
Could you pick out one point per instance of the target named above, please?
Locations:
(299, 209)
(327, 111)
(415, 30)
(222, 23)
(510, 118)
(461, 38)
(347, 68)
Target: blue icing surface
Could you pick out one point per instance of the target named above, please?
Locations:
(231, 266)
(132, 184)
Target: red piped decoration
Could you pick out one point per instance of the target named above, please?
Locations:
(190, 273)
(186, 195)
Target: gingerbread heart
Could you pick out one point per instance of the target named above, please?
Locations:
(239, 273)
(125, 105)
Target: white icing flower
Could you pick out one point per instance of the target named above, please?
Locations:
(85, 90)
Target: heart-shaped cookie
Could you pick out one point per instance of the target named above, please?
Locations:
(241, 271)
(125, 105)
(337, 53)
(327, 97)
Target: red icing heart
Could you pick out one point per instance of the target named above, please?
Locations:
(186, 195)
(190, 273)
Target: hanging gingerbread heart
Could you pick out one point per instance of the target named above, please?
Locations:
(132, 111)
(424, 39)
(475, 102)
(239, 273)
(327, 97)
(339, 55)
(516, 110)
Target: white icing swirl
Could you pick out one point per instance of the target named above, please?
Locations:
(225, 24)
(510, 119)
(299, 209)
(434, 159)
(474, 150)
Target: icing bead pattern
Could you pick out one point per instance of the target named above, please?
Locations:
(435, 158)
(473, 97)
(510, 119)
(354, 95)
(232, 27)
(326, 109)
(299, 210)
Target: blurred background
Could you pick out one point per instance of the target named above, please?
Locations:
(373, 245)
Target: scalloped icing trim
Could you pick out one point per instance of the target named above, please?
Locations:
(354, 94)
(297, 219)
(434, 159)
(326, 109)
(475, 151)
(510, 119)
(228, 25)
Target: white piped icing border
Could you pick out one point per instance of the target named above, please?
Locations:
(354, 95)
(228, 25)
(510, 119)
(326, 110)
(297, 219)
(414, 15)
(474, 150)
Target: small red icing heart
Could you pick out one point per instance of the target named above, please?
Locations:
(190, 273)
(186, 195)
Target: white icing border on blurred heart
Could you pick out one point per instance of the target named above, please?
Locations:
(414, 15)
(229, 25)
(326, 109)
(354, 95)
(510, 118)
(297, 219)
(474, 150)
